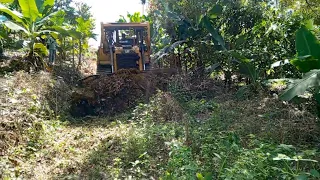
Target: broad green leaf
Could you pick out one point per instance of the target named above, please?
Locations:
(306, 63)
(173, 16)
(245, 66)
(311, 79)
(317, 97)
(241, 40)
(41, 48)
(211, 69)
(54, 34)
(85, 45)
(200, 20)
(48, 3)
(14, 14)
(208, 176)
(122, 19)
(15, 27)
(248, 70)
(174, 45)
(215, 11)
(307, 43)
(6, 1)
(39, 4)
(281, 157)
(239, 56)
(215, 33)
(217, 155)
(199, 176)
(43, 32)
(83, 26)
(302, 177)
(48, 17)
(44, 5)
(309, 24)
(75, 34)
(315, 173)
(29, 9)
(134, 17)
(61, 30)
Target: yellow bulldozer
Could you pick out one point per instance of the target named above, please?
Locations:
(124, 46)
(124, 74)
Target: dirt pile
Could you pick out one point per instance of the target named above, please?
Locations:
(19, 61)
(111, 94)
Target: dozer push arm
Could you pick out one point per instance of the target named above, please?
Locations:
(110, 43)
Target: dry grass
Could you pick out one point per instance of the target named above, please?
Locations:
(27, 99)
(66, 149)
(21, 97)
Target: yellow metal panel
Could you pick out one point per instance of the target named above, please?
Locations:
(103, 58)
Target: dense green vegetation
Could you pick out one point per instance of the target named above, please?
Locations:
(244, 105)
(28, 23)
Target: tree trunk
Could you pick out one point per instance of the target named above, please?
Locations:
(73, 62)
(179, 63)
(80, 54)
(64, 51)
(200, 64)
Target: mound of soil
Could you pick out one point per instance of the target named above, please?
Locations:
(21, 62)
(111, 94)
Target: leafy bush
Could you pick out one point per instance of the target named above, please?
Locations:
(181, 164)
(222, 156)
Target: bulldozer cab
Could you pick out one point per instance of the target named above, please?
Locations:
(124, 46)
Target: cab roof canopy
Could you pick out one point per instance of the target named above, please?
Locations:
(124, 26)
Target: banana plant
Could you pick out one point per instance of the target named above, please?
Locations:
(31, 20)
(84, 32)
(6, 1)
(308, 62)
(207, 20)
(134, 18)
(188, 31)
